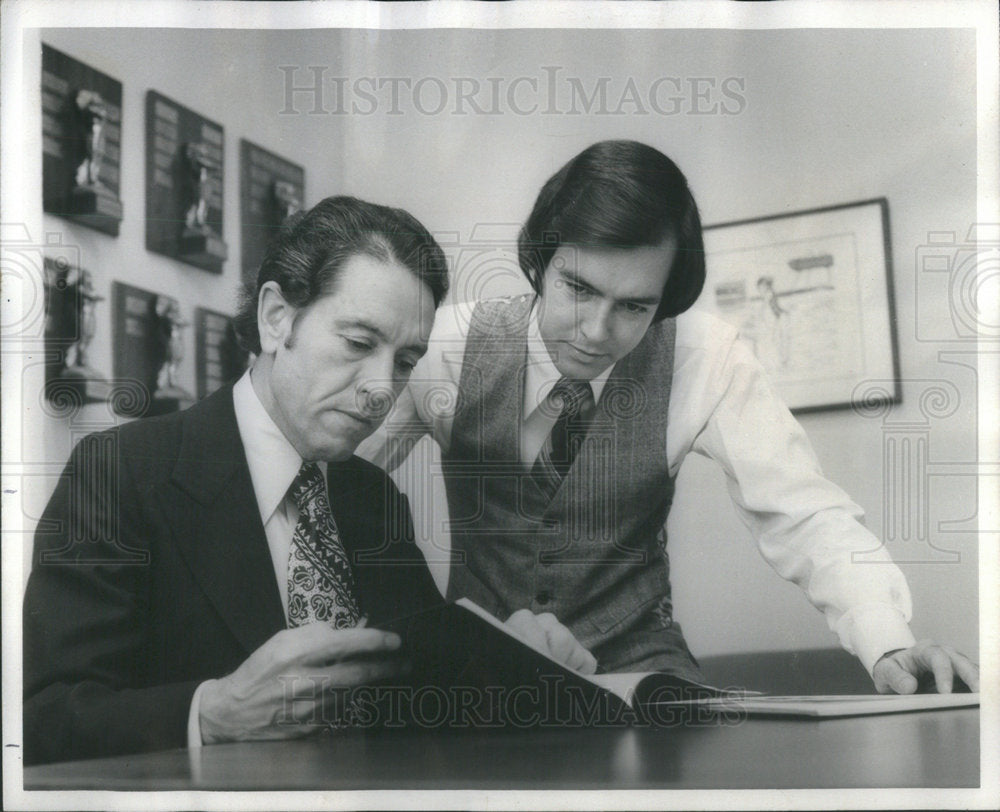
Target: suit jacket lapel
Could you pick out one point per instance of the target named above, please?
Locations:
(216, 522)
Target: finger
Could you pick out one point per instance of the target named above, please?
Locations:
(938, 661)
(564, 646)
(300, 711)
(560, 640)
(524, 623)
(566, 649)
(305, 698)
(317, 634)
(578, 660)
(325, 644)
(589, 662)
(967, 670)
(892, 677)
(351, 673)
(522, 620)
(546, 620)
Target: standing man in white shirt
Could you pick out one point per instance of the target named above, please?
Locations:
(563, 418)
(220, 574)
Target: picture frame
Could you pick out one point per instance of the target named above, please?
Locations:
(811, 292)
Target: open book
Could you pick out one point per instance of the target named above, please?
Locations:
(487, 674)
(488, 669)
(631, 687)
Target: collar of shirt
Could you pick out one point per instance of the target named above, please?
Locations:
(541, 374)
(273, 461)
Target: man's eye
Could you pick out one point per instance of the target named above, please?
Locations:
(358, 345)
(405, 366)
(638, 309)
(575, 287)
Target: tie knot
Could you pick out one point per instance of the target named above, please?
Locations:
(571, 397)
(307, 485)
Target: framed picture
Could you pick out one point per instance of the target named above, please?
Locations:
(811, 293)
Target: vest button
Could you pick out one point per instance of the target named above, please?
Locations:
(543, 597)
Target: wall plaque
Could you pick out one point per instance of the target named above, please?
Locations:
(271, 190)
(70, 325)
(218, 357)
(81, 142)
(149, 349)
(184, 161)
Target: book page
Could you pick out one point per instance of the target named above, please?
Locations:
(838, 705)
(621, 685)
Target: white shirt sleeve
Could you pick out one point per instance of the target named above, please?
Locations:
(427, 404)
(806, 528)
(194, 718)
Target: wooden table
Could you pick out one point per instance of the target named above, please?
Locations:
(928, 749)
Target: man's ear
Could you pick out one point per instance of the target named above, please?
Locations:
(275, 317)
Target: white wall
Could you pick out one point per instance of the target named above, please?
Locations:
(829, 117)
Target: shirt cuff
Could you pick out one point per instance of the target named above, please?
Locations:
(871, 630)
(194, 717)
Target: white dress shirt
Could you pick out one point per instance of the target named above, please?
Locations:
(274, 463)
(723, 407)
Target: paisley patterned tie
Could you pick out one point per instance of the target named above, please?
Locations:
(320, 581)
(573, 402)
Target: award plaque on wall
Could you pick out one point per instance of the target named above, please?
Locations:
(149, 349)
(271, 190)
(81, 142)
(184, 161)
(71, 323)
(218, 357)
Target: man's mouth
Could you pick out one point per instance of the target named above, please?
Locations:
(360, 419)
(586, 353)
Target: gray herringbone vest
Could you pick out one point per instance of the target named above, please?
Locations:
(594, 555)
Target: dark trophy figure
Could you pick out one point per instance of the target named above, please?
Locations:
(199, 241)
(70, 328)
(89, 197)
(169, 395)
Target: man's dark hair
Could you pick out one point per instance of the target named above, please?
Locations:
(618, 194)
(311, 248)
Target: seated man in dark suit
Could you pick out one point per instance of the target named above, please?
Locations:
(196, 576)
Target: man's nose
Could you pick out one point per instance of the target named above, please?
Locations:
(376, 390)
(596, 323)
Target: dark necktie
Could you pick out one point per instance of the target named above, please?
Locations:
(320, 581)
(573, 401)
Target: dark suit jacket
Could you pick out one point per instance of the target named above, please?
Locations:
(152, 574)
